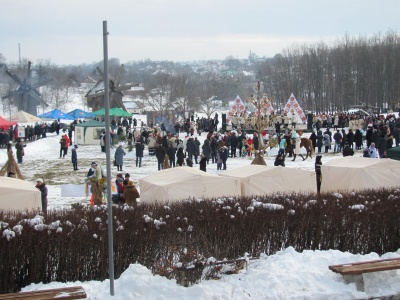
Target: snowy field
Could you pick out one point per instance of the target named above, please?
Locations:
(285, 275)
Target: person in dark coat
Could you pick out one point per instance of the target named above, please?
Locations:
(41, 186)
(279, 160)
(119, 157)
(313, 138)
(180, 157)
(368, 136)
(206, 150)
(171, 154)
(214, 149)
(191, 149)
(317, 166)
(358, 139)
(234, 144)
(350, 138)
(160, 154)
(189, 162)
(139, 147)
(338, 140)
(382, 146)
(320, 139)
(197, 153)
(19, 151)
(224, 155)
(348, 151)
(63, 143)
(74, 158)
(255, 141)
(203, 163)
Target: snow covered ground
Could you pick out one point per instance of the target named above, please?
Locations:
(285, 275)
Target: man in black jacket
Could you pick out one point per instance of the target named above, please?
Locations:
(160, 154)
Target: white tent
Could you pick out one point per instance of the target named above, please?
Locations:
(183, 183)
(17, 194)
(88, 133)
(358, 173)
(262, 180)
(23, 117)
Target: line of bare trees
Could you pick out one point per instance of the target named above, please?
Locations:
(354, 71)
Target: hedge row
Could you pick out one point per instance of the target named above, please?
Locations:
(71, 244)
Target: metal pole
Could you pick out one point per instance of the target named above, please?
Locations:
(108, 160)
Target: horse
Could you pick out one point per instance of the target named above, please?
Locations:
(304, 142)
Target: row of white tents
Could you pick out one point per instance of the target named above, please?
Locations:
(341, 174)
(338, 175)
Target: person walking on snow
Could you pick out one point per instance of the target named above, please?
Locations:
(74, 158)
(119, 157)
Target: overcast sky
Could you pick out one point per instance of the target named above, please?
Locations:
(71, 32)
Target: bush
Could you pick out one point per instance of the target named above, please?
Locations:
(71, 244)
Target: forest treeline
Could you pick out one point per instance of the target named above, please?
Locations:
(335, 77)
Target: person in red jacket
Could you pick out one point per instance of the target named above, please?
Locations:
(67, 142)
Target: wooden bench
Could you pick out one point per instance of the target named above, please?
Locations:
(74, 292)
(354, 272)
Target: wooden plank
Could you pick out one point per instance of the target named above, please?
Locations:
(76, 292)
(367, 267)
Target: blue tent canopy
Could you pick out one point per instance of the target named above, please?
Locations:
(80, 114)
(56, 114)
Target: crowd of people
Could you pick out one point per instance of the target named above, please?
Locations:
(336, 133)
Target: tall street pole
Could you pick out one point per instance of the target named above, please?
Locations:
(108, 160)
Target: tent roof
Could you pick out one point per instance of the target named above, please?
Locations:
(183, 183)
(18, 194)
(360, 162)
(261, 180)
(359, 173)
(263, 171)
(91, 123)
(175, 175)
(5, 124)
(24, 117)
(79, 113)
(56, 114)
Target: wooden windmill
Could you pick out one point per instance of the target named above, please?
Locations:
(26, 96)
(95, 97)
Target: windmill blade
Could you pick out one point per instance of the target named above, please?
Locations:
(28, 75)
(15, 77)
(37, 98)
(33, 90)
(100, 72)
(12, 94)
(119, 76)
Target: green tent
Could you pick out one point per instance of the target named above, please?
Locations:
(88, 133)
(393, 153)
(100, 112)
(114, 112)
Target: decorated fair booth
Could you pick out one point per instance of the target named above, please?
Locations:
(238, 109)
(266, 108)
(294, 111)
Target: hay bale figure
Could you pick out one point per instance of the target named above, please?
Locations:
(259, 159)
